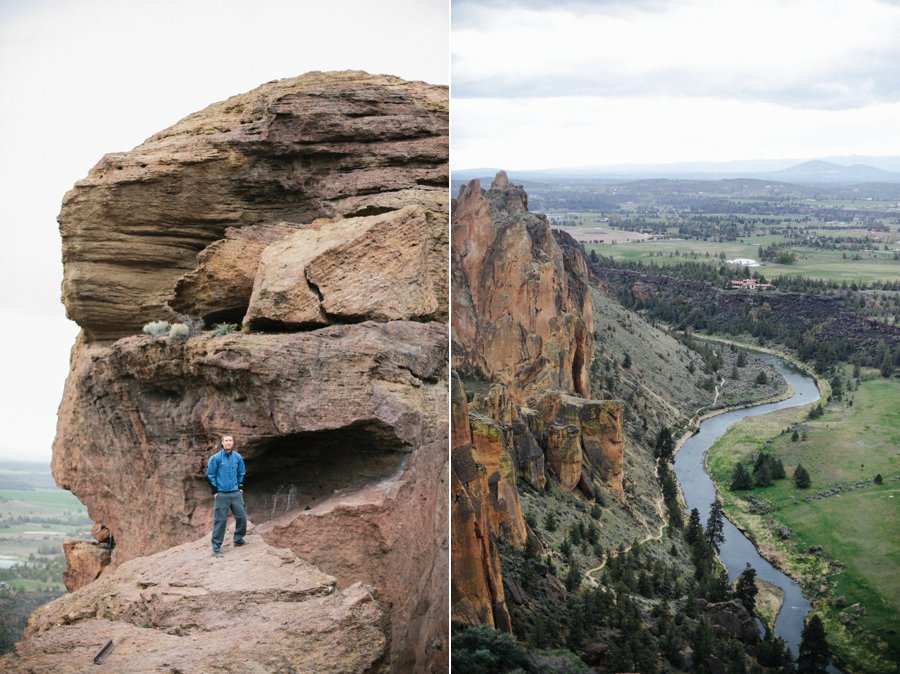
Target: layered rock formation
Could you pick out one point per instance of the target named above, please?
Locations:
(321, 145)
(314, 211)
(522, 334)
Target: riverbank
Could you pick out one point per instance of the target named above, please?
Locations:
(805, 536)
(769, 602)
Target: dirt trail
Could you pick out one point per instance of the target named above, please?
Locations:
(658, 505)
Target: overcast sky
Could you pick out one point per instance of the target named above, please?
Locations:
(563, 84)
(82, 78)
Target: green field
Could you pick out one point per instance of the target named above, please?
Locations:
(35, 521)
(829, 265)
(859, 564)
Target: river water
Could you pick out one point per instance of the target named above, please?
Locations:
(699, 493)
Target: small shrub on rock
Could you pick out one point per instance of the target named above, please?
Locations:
(223, 329)
(157, 328)
(179, 331)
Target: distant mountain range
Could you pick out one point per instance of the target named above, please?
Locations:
(829, 172)
(815, 172)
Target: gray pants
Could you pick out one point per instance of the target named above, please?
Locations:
(228, 501)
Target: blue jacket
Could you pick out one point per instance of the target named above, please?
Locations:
(225, 472)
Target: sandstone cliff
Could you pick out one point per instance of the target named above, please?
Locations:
(523, 333)
(313, 211)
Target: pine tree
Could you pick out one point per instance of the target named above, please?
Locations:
(740, 478)
(813, 654)
(573, 579)
(746, 589)
(665, 446)
(715, 527)
(801, 477)
(763, 475)
(694, 531)
(887, 364)
(741, 359)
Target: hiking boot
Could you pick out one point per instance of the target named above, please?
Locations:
(217, 553)
(239, 543)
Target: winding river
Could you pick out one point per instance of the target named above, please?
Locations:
(699, 493)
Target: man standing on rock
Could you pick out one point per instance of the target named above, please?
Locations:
(226, 479)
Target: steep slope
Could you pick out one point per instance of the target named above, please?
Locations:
(314, 211)
(566, 526)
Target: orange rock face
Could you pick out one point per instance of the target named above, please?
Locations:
(476, 588)
(341, 420)
(85, 561)
(522, 328)
(522, 311)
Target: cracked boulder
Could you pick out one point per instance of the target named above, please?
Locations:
(219, 289)
(256, 609)
(383, 267)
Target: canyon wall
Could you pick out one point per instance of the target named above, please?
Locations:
(312, 214)
(522, 344)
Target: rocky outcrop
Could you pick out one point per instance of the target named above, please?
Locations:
(332, 413)
(522, 329)
(85, 561)
(321, 145)
(582, 437)
(257, 609)
(476, 588)
(522, 309)
(341, 420)
(312, 413)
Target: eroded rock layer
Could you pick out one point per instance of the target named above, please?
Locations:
(320, 145)
(314, 212)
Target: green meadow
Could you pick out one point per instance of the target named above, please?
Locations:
(829, 265)
(854, 579)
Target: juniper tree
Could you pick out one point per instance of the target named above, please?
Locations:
(746, 589)
(813, 655)
(715, 526)
(801, 477)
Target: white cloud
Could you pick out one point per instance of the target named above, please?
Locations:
(806, 53)
(584, 131)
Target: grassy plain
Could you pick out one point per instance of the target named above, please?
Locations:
(829, 265)
(33, 525)
(855, 578)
